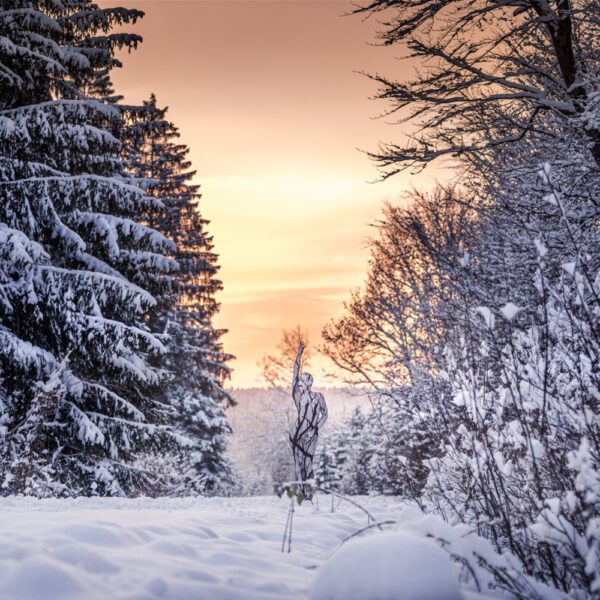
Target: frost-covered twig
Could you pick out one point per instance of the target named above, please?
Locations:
(298, 491)
(367, 528)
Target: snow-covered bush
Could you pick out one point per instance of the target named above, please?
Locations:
(482, 302)
(522, 466)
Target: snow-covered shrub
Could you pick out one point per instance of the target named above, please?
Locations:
(520, 467)
(489, 295)
(503, 378)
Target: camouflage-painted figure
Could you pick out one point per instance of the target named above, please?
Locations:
(312, 414)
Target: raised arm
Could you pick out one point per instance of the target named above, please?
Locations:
(297, 364)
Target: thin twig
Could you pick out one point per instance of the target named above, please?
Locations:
(360, 531)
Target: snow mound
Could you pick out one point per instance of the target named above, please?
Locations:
(388, 566)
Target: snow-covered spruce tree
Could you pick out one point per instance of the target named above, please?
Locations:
(343, 455)
(355, 474)
(383, 451)
(78, 389)
(331, 456)
(184, 313)
(400, 443)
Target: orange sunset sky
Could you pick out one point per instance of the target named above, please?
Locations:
(267, 96)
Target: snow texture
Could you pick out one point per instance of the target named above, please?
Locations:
(225, 548)
(510, 311)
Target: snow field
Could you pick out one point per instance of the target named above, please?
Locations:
(210, 548)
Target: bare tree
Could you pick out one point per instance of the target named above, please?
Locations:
(393, 333)
(395, 327)
(275, 368)
(491, 71)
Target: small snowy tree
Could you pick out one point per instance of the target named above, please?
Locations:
(355, 473)
(331, 457)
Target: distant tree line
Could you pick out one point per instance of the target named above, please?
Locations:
(478, 328)
(111, 370)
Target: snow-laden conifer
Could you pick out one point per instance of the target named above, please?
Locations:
(77, 260)
(184, 314)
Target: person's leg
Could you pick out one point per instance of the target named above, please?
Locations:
(310, 452)
(307, 445)
(297, 453)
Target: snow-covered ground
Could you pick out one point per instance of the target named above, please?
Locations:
(204, 548)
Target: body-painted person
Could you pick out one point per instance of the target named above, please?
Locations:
(312, 414)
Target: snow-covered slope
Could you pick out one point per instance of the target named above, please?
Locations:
(180, 549)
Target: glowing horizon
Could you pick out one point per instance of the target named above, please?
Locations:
(267, 97)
